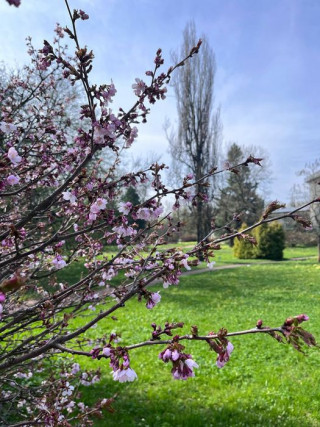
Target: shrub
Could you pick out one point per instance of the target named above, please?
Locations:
(270, 241)
(243, 248)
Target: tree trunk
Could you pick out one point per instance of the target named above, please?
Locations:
(200, 233)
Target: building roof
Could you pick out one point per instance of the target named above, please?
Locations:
(288, 209)
(314, 177)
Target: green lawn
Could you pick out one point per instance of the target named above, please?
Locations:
(225, 255)
(264, 383)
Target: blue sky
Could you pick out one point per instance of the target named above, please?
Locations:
(267, 54)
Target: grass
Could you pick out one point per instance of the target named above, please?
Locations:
(225, 255)
(264, 384)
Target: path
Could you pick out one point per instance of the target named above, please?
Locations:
(227, 266)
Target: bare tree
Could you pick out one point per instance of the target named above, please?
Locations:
(194, 145)
(310, 189)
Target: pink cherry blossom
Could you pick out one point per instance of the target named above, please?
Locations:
(125, 207)
(125, 231)
(83, 15)
(13, 179)
(138, 87)
(189, 195)
(99, 134)
(158, 211)
(302, 318)
(95, 352)
(143, 213)
(97, 206)
(149, 214)
(175, 355)
(59, 30)
(92, 216)
(101, 203)
(154, 299)
(14, 156)
(184, 262)
(108, 275)
(184, 369)
(106, 351)
(165, 355)
(7, 127)
(110, 131)
(59, 262)
(108, 94)
(68, 195)
(75, 368)
(191, 364)
(224, 356)
(210, 265)
(68, 390)
(124, 375)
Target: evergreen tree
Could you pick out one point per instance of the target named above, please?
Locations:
(239, 195)
(270, 241)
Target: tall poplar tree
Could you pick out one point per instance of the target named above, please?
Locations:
(194, 145)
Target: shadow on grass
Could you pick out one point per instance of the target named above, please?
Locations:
(146, 408)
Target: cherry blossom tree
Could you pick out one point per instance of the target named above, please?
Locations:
(77, 212)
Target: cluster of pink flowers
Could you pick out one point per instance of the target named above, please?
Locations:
(126, 374)
(102, 132)
(121, 371)
(302, 318)
(7, 127)
(125, 207)
(171, 278)
(14, 156)
(70, 196)
(149, 214)
(224, 354)
(109, 93)
(98, 206)
(125, 230)
(58, 262)
(139, 87)
(183, 364)
(13, 179)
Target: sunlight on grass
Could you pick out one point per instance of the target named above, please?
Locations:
(265, 383)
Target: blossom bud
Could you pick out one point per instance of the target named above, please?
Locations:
(301, 318)
(259, 324)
